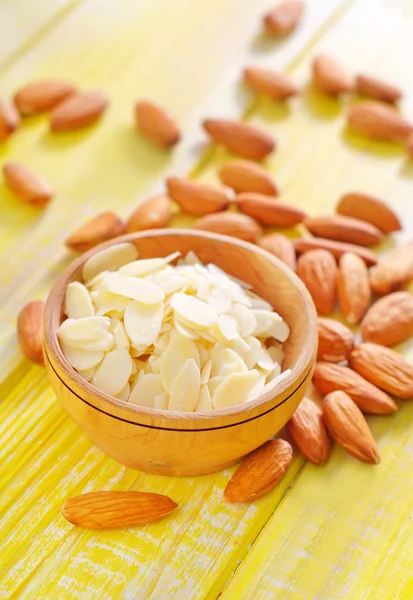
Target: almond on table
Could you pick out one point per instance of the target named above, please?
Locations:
(369, 209)
(280, 246)
(409, 145)
(272, 83)
(344, 229)
(318, 270)
(42, 96)
(156, 124)
(78, 111)
(229, 223)
(335, 340)
(353, 287)
(241, 138)
(9, 120)
(27, 185)
(285, 17)
(393, 271)
(390, 320)
(29, 331)
(378, 121)
(268, 210)
(196, 198)
(377, 89)
(153, 213)
(247, 176)
(329, 77)
(307, 429)
(99, 229)
(337, 249)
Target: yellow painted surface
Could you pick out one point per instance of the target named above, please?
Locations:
(340, 532)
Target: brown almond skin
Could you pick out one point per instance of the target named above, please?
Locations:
(281, 247)
(307, 429)
(42, 96)
(369, 209)
(29, 331)
(284, 18)
(78, 111)
(335, 340)
(247, 176)
(274, 84)
(330, 377)
(318, 270)
(353, 287)
(344, 229)
(409, 145)
(347, 425)
(337, 249)
(153, 213)
(241, 138)
(27, 185)
(9, 120)
(108, 510)
(156, 124)
(390, 320)
(329, 77)
(232, 224)
(101, 228)
(378, 121)
(259, 472)
(393, 271)
(267, 212)
(384, 368)
(197, 198)
(377, 89)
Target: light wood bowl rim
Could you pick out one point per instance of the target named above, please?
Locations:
(299, 372)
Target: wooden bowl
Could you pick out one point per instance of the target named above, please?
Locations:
(181, 443)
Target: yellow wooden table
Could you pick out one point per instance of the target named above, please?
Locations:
(340, 532)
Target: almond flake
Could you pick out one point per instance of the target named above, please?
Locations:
(228, 327)
(81, 360)
(266, 320)
(77, 301)
(204, 401)
(235, 389)
(136, 289)
(178, 352)
(143, 322)
(193, 310)
(124, 394)
(84, 329)
(113, 373)
(161, 401)
(145, 390)
(109, 259)
(185, 388)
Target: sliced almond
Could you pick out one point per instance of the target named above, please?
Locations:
(241, 138)
(235, 389)
(41, 96)
(113, 373)
(285, 17)
(29, 330)
(78, 111)
(227, 223)
(306, 427)
(77, 301)
(73, 331)
(107, 510)
(329, 377)
(27, 185)
(179, 350)
(395, 270)
(143, 322)
(353, 287)
(267, 211)
(318, 270)
(281, 247)
(99, 229)
(260, 472)
(110, 259)
(335, 341)
(146, 389)
(385, 368)
(153, 213)
(329, 77)
(378, 121)
(377, 89)
(344, 229)
(186, 388)
(273, 83)
(390, 320)
(9, 120)
(369, 209)
(197, 198)
(337, 249)
(137, 289)
(156, 124)
(194, 310)
(346, 424)
(247, 176)
(82, 360)
(204, 401)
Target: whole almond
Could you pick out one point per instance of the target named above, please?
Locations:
(385, 368)
(281, 247)
(318, 270)
(9, 120)
(346, 424)
(268, 211)
(337, 249)
(353, 287)
(307, 429)
(156, 124)
(247, 176)
(29, 331)
(272, 83)
(344, 229)
(27, 185)
(153, 213)
(393, 271)
(390, 320)
(285, 17)
(378, 121)
(335, 340)
(107, 510)
(369, 209)
(233, 224)
(377, 89)
(101, 228)
(241, 138)
(329, 377)
(41, 96)
(197, 198)
(259, 472)
(78, 111)
(329, 77)
(409, 145)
